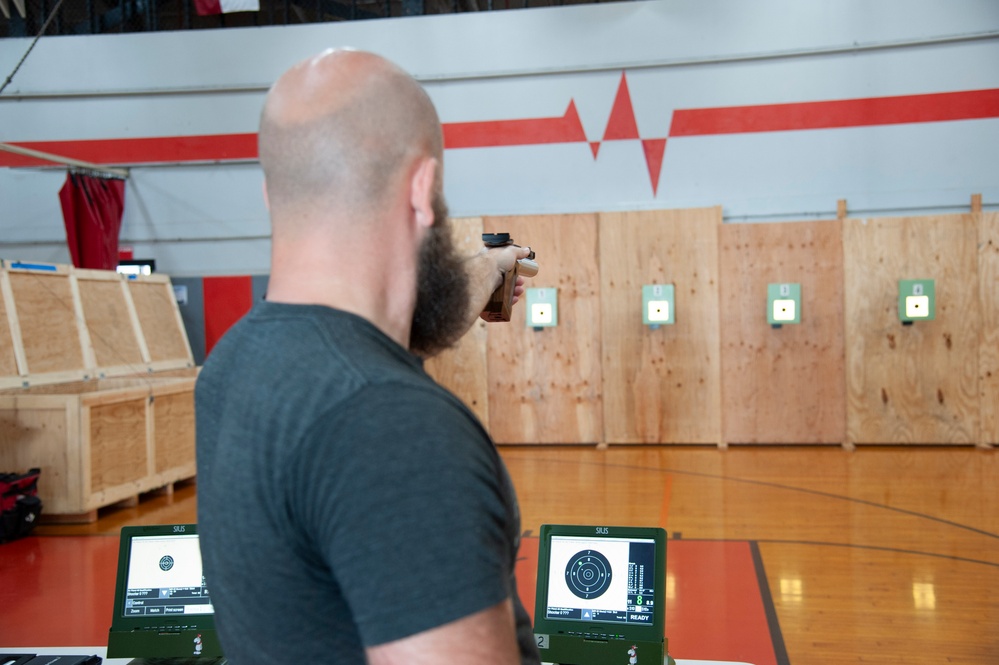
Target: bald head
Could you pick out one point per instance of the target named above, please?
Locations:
(337, 131)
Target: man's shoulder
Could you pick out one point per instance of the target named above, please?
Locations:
(309, 341)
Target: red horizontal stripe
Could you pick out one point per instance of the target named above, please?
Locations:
(937, 107)
(531, 131)
(974, 104)
(166, 149)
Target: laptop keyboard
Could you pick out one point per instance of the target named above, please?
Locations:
(166, 629)
(179, 661)
(594, 636)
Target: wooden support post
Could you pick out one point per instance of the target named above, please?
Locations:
(166, 490)
(88, 517)
(841, 209)
(976, 203)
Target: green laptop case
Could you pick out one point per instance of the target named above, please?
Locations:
(167, 620)
(601, 595)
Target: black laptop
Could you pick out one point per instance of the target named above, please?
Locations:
(601, 595)
(162, 609)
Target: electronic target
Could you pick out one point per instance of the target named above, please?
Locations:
(588, 574)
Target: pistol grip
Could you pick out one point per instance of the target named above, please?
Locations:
(500, 305)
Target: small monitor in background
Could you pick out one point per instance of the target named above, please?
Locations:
(162, 608)
(136, 266)
(601, 595)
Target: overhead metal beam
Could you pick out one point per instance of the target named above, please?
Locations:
(349, 12)
(59, 159)
(413, 7)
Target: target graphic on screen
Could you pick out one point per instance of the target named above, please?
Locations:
(588, 574)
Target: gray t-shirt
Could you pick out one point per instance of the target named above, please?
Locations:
(345, 499)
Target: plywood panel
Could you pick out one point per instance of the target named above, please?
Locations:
(462, 369)
(49, 331)
(106, 312)
(161, 324)
(664, 385)
(782, 385)
(173, 416)
(988, 379)
(117, 437)
(917, 383)
(37, 435)
(545, 386)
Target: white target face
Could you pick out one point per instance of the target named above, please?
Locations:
(588, 574)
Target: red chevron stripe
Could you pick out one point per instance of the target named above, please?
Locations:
(622, 124)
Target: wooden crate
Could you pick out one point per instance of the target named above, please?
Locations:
(96, 385)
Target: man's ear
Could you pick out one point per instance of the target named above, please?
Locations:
(421, 191)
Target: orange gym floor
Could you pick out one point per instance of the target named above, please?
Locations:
(804, 555)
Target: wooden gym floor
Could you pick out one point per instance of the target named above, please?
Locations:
(803, 555)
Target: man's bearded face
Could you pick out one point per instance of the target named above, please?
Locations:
(441, 316)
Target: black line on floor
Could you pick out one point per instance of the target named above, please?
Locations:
(877, 548)
(841, 497)
(765, 483)
(776, 637)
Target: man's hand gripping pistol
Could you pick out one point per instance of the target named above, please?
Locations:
(500, 304)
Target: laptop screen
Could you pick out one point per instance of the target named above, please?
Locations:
(602, 580)
(165, 578)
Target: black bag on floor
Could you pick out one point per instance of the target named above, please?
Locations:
(20, 507)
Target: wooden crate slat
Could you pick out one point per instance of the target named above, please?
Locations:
(161, 324)
(49, 327)
(115, 430)
(11, 350)
(112, 334)
(34, 431)
(173, 429)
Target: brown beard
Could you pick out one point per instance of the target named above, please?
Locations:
(440, 318)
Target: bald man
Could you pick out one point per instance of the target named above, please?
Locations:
(351, 510)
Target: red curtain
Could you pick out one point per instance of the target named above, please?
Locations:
(91, 209)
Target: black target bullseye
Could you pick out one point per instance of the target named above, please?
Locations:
(588, 574)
